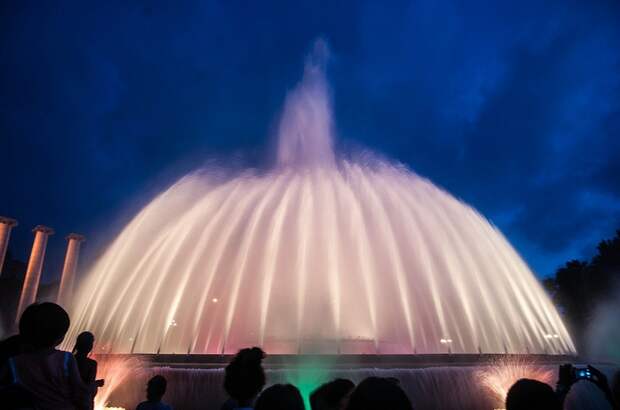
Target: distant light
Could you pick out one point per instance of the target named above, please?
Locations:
(551, 336)
(173, 323)
(445, 341)
(215, 300)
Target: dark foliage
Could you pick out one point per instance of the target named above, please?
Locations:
(579, 287)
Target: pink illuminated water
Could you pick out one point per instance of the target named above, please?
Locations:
(320, 254)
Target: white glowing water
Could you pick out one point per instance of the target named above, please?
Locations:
(320, 254)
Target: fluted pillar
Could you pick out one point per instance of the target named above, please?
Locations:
(6, 224)
(35, 265)
(65, 292)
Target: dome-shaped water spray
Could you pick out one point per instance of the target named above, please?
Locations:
(321, 254)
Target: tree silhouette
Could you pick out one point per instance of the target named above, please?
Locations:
(579, 287)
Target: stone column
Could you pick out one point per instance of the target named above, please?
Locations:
(65, 292)
(6, 224)
(33, 272)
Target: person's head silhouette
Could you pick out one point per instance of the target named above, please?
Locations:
(528, 394)
(47, 326)
(156, 388)
(84, 344)
(332, 395)
(27, 321)
(379, 393)
(244, 376)
(280, 397)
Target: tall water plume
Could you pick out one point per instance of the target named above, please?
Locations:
(305, 132)
(321, 254)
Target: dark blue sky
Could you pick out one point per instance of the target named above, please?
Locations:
(512, 106)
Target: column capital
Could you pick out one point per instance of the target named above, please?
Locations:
(75, 237)
(8, 221)
(43, 229)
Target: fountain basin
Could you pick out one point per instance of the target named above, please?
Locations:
(431, 381)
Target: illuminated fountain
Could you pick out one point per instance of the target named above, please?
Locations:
(321, 253)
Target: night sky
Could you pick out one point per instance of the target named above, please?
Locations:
(512, 106)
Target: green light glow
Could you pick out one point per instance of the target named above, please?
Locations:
(308, 376)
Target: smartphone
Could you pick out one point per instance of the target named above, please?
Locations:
(583, 373)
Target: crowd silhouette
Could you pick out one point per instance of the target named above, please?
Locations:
(35, 375)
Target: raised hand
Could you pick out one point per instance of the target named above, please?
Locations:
(600, 380)
(566, 376)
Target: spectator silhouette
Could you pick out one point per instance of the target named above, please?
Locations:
(87, 366)
(155, 390)
(244, 378)
(378, 393)
(50, 376)
(332, 396)
(528, 394)
(280, 397)
(13, 395)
